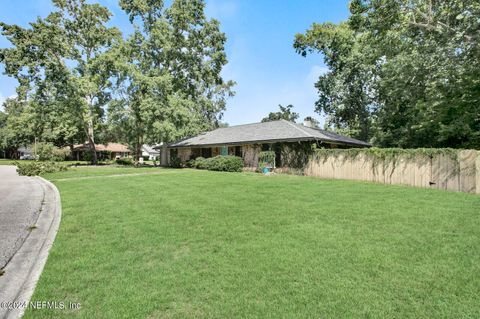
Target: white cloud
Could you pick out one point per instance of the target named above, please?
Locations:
(302, 94)
(2, 99)
(315, 73)
(253, 102)
(237, 53)
(219, 9)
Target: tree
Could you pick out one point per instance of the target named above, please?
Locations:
(61, 64)
(407, 69)
(285, 113)
(17, 126)
(3, 134)
(343, 91)
(428, 54)
(172, 86)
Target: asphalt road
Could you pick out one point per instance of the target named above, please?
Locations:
(20, 203)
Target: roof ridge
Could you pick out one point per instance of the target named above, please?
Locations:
(256, 123)
(321, 130)
(241, 125)
(337, 135)
(298, 128)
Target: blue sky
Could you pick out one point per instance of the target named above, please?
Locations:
(261, 57)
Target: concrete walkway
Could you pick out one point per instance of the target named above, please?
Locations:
(29, 219)
(20, 202)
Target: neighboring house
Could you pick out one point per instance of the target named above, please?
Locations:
(22, 150)
(104, 151)
(247, 141)
(25, 153)
(149, 150)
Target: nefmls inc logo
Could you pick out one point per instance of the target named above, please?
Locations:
(47, 305)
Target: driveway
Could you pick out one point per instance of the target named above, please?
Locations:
(21, 199)
(30, 212)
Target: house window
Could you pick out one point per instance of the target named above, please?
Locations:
(206, 152)
(196, 152)
(265, 147)
(224, 150)
(277, 148)
(238, 151)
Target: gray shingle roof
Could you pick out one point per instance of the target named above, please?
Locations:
(275, 131)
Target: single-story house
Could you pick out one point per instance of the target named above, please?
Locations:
(149, 150)
(291, 142)
(104, 151)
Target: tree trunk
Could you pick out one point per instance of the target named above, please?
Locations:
(91, 144)
(90, 135)
(164, 155)
(138, 151)
(137, 148)
(70, 146)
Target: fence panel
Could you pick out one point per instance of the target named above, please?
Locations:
(440, 171)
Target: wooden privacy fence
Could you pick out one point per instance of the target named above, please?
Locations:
(460, 172)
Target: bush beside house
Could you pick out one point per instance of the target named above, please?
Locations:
(124, 161)
(175, 161)
(221, 163)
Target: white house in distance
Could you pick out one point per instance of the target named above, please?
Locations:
(148, 150)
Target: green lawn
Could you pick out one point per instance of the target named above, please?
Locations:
(99, 171)
(199, 244)
(7, 161)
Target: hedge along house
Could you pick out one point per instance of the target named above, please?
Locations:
(292, 143)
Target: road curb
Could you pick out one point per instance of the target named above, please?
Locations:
(23, 270)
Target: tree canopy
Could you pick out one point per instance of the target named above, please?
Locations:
(171, 80)
(402, 73)
(81, 80)
(62, 66)
(285, 113)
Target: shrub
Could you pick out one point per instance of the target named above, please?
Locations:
(60, 154)
(104, 155)
(87, 156)
(124, 161)
(219, 163)
(49, 152)
(200, 163)
(38, 168)
(175, 161)
(267, 158)
(190, 163)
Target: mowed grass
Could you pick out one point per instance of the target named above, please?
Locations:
(7, 161)
(199, 244)
(99, 171)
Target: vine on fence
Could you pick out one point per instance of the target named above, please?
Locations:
(387, 155)
(297, 155)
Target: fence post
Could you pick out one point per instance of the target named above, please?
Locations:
(477, 172)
